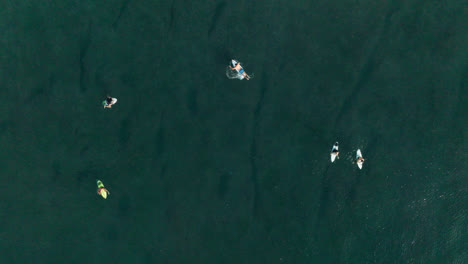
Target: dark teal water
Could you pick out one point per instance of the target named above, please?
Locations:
(203, 169)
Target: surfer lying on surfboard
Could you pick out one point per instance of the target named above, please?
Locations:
(109, 102)
(102, 190)
(235, 65)
(334, 153)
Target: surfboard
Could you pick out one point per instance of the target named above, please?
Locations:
(359, 155)
(333, 155)
(99, 184)
(101, 189)
(103, 193)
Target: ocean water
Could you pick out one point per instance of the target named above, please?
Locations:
(203, 169)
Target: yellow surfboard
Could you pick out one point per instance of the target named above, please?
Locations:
(102, 190)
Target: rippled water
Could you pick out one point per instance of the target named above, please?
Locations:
(203, 169)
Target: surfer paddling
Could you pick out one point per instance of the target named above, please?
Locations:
(102, 191)
(109, 102)
(334, 153)
(235, 65)
(359, 159)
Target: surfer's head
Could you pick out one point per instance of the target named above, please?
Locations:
(234, 63)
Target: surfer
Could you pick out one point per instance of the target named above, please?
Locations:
(235, 65)
(360, 161)
(109, 102)
(102, 190)
(334, 153)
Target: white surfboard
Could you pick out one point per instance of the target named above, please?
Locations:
(359, 155)
(333, 153)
